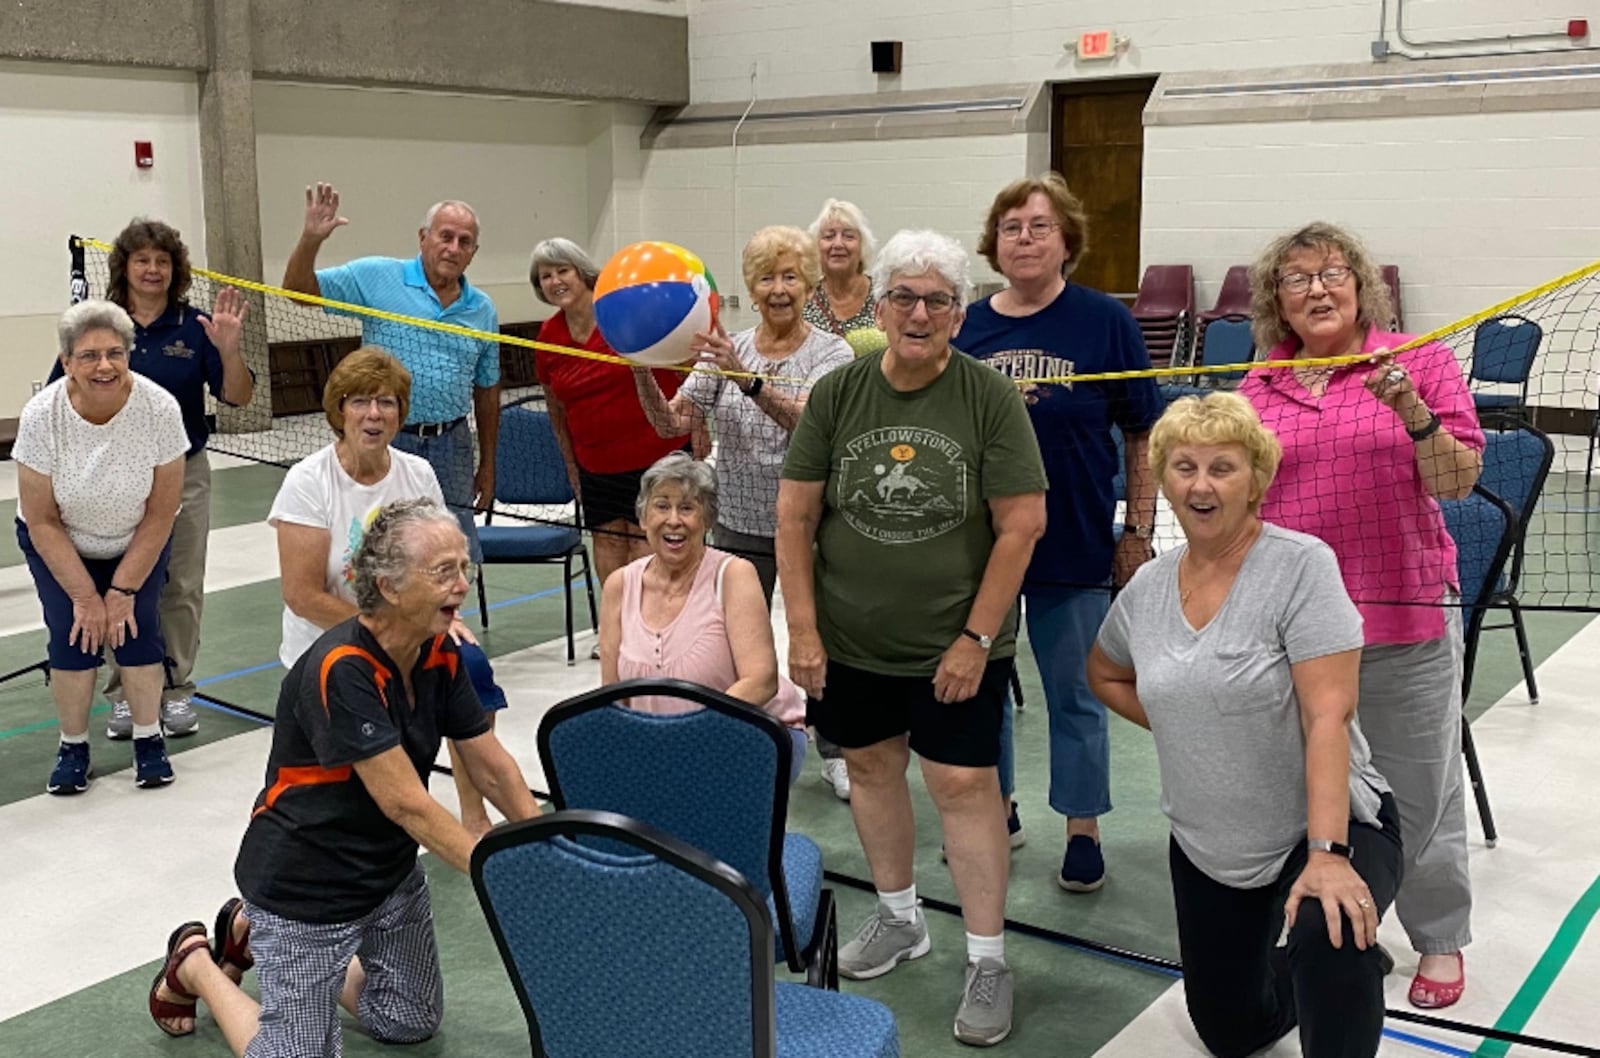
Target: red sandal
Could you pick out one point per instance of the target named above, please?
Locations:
(185, 940)
(225, 950)
(1428, 994)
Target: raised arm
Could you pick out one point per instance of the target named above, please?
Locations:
(322, 220)
(225, 328)
(670, 418)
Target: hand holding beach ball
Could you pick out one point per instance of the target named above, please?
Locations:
(650, 301)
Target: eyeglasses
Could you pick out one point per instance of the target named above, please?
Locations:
(938, 302)
(447, 573)
(361, 405)
(94, 356)
(1300, 282)
(1038, 227)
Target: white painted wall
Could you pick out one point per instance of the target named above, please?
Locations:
(67, 168)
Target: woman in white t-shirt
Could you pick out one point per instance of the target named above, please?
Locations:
(325, 504)
(99, 457)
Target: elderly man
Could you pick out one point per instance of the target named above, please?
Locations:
(451, 374)
(335, 909)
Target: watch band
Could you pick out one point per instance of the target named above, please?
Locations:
(754, 388)
(1143, 532)
(1324, 845)
(125, 591)
(982, 640)
(1427, 431)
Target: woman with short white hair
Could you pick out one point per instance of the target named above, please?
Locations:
(844, 301)
(911, 498)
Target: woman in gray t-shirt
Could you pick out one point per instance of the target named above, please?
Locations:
(1240, 653)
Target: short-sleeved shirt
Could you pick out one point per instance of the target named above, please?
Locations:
(605, 421)
(750, 443)
(905, 534)
(1082, 332)
(175, 354)
(101, 476)
(1222, 704)
(316, 492)
(318, 847)
(1349, 477)
(444, 367)
(818, 311)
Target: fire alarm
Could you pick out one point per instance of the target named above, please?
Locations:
(1577, 28)
(144, 154)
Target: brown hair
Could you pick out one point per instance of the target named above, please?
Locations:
(364, 373)
(143, 233)
(1267, 325)
(1067, 207)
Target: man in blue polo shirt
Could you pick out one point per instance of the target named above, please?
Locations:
(451, 375)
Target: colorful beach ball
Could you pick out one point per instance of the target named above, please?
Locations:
(650, 301)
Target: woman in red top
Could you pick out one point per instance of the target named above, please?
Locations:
(604, 436)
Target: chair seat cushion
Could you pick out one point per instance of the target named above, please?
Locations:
(513, 543)
(814, 1023)
(802, 878)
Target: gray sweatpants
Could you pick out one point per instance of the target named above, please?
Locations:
(1410, 711)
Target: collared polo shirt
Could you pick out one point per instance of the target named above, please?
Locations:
(444, 367)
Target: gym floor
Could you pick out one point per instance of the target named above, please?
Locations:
(93, 884)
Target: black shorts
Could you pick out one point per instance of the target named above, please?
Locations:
(608, 497)
(859, 709)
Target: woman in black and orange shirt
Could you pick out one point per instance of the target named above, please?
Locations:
(604, 436)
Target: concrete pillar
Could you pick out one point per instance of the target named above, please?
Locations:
(232, 203)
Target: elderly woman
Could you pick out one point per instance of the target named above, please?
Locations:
(843, 302)
(1239, 651)
(188, 354)
(1042, 325)
(690, 612)
(1369, 448)
(99, 457)
(912, 496)
(328, 500)
(604, 437)
(335, 906)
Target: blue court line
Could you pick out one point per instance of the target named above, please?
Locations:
(1423, 1041)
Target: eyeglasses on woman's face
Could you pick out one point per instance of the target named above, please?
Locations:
(1300, 282)
(938, 302)
(1037, 228)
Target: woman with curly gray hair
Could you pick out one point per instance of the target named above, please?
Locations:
(1370, 447)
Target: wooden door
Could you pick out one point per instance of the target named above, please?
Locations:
(1097, 143)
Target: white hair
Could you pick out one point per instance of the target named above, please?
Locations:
(852, 216)
(93, 315)
(916, 252)
(556, 252)
(433, 211)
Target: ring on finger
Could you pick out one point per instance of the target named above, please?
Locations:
(1363, 903)
(1395, 376)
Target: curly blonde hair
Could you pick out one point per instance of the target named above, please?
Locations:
(1373, 304)
(1218, 418)
(771, 244)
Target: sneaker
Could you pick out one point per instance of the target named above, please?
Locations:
(178, 718)
(984, 1017)
(1083, 868)
(151, 768)
(72, 771)
(119, 725)
(835, 772)
(1014, 833)
(882, 943)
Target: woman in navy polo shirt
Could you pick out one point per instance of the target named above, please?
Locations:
(186, 352)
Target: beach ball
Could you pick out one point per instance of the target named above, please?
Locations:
(650, 301)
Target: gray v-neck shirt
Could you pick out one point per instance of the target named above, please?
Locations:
(1222, 704)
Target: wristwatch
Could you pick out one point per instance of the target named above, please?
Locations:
(1324, 845)
(1142, 532)
(1428, 429)
(130, 592)
(754, 387)
(982, 640)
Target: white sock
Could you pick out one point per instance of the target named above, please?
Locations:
(902, 904)
(986, 947)
(146, 730)
(74, 740)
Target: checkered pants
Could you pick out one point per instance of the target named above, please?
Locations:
(301, 966)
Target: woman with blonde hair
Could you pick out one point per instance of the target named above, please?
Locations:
(844, 301)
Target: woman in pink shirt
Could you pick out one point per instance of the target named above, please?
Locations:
(1368, 451)
(690, 612)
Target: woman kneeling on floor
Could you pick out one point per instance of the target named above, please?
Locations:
(1240, 653)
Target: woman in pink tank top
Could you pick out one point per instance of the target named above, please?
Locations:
(690, 612)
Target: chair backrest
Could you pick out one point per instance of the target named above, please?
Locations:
(1165, 290)
(1234, 297)
(652, 949)
(1481, 524)
(1504, 348)
(528, 467)
(1516, 463)
(717, 777)
(1227, 342)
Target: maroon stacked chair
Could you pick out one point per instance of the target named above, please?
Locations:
(1165, 311)
(1391, 276)
(1233, 303)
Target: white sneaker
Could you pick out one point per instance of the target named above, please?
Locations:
(835, 772)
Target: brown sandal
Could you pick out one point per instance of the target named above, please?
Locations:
(185, 940)
(225, 950)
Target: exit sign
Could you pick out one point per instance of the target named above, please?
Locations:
(1100, 44)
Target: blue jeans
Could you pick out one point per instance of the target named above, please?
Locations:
(451, 457)
(1062, 625)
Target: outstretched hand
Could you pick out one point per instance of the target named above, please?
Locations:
(226, 325)
(322, 212)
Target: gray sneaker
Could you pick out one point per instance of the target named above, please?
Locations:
(119, 725)
(882, 943)
(984, 1017)
(178, 718)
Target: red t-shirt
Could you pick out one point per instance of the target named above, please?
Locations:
(609, 432)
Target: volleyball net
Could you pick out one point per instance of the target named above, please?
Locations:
(1530, 360)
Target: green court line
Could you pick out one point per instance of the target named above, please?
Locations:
(45, 725)
(1520, 1010)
